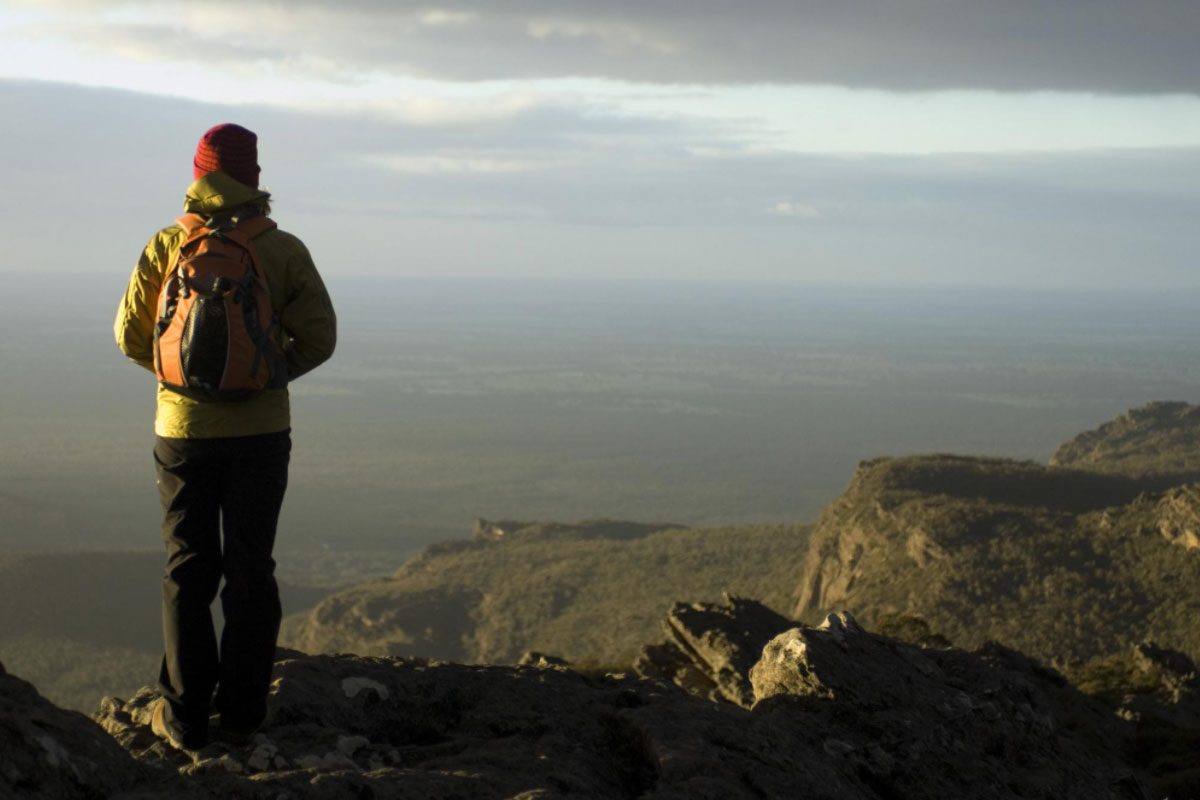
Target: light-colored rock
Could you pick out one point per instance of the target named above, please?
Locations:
(1179, 517)
(532, 658)
(711, 647)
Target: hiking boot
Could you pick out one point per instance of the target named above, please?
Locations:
(240, 735)
(172, 731)
(236, 737)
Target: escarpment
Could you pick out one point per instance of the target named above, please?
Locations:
(1158, 443)
(1059, 563)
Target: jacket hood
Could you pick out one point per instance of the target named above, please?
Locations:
(216, 191)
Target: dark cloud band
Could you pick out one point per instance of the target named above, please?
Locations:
(1114, 46)
(1105, 46)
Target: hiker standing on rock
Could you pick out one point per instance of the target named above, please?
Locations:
(225, 309)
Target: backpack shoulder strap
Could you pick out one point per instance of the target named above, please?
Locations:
(194, 227)
(244, 235)
(255, 226)
(192, 224)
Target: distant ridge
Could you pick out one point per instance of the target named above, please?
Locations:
(1158, 443)
(591, 591)
(1058, 563)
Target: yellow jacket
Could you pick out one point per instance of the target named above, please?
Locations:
(298, 298)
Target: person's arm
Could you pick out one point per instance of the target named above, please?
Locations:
(134, 327)
(308, 320)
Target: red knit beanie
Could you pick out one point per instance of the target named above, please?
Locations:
(231, 149)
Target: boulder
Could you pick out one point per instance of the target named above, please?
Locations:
(988, 724)
(711, 647)
(52, 754)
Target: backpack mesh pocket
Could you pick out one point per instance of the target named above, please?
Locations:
(205, 344)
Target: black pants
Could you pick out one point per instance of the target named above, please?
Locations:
(233, 486)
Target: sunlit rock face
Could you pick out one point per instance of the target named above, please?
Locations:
(1179, 516)
(711, 647)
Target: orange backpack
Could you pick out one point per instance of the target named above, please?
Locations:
(215, 335)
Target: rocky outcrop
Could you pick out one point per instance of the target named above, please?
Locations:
(837, 712)
(1057, 563)
(711, 647)
(1157, 691)
(345, 726)
(1158, 443)
(1009, 727)
(994, 708)
(1179, 516)
(833, 711)
(52, 754)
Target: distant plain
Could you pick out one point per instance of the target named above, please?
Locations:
(694, 403)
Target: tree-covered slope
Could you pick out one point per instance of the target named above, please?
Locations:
(595, 591)
(1058, 563)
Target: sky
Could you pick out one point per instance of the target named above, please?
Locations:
(1016, 144)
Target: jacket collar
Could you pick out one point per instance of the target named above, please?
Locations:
(216, 191)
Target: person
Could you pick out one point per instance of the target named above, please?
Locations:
(222, 466)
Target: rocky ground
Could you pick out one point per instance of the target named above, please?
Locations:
(1142, 704)
(739, 702)
(835, 712)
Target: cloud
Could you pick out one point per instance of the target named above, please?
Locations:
(614, 38)
(790, 208)
(558, 190)
(460, 164)
(1106, 46)
(435, 17)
